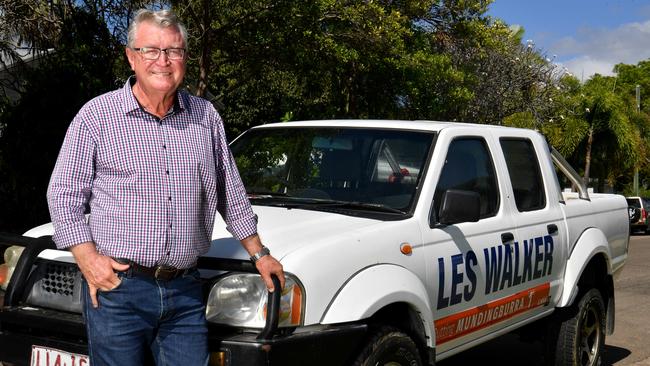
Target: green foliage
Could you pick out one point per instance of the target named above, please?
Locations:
(597, 130)
(35, 126)
(628, 77)
(324, 59)
(264, 61)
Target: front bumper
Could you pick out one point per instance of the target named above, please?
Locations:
(317, 345)
(22, 325)
(314, 345)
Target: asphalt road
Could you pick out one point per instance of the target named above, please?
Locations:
(630, 343)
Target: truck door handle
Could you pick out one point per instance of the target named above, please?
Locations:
(507, 238)
(552, 229)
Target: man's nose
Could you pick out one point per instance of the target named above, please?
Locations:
(163, 58)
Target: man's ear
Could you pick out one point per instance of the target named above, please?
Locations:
(130, 55)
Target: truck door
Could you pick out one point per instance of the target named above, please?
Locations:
(541, 234)
(468, 265)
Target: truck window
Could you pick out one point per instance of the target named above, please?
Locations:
(468, 166)
(524, 172)
(320, 164)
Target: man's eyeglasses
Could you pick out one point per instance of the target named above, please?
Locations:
(152, 53)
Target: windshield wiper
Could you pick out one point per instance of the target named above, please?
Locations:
(319, 203)
(355, 205)
(364, 206)
(265, 194)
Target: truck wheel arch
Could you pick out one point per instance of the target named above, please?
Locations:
(589, 266)
(591, 246)
(377, 288)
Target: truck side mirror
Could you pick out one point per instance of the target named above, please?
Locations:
(459, 206)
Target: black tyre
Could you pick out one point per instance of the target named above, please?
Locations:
(389, 347)
(581, 335)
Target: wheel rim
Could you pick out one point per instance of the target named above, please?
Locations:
(590, 336)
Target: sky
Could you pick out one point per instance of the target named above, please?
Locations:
(585, 36)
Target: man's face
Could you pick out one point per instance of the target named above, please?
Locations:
(161, 75)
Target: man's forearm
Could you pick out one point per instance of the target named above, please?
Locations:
(83, 249)
(252, 244)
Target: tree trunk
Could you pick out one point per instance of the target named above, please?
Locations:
(350, 100)
(204, 57)
(590, 142)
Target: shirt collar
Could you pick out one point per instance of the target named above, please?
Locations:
(131, 103)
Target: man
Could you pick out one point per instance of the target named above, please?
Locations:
(153, 165)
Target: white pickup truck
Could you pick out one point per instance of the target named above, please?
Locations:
(404, 243)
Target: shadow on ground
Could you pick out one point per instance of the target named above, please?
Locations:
(614, 354)
(509, 350)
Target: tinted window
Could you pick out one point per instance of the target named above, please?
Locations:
(468, 166)
(646, 203)
(525, 174)
(634, 202)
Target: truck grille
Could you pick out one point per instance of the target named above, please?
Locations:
(55, 285)
(59, 279)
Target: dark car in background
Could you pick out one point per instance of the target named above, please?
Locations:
(639, 217)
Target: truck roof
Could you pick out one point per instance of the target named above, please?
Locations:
(385, 124)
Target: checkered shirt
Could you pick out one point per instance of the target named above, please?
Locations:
(153, 185)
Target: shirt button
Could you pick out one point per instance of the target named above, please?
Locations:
(167, 171)
(164, 146)
(169, 198)
(170, 226)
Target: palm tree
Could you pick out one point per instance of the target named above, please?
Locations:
(603, 126)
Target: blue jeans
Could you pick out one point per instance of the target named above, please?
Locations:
(142, 315)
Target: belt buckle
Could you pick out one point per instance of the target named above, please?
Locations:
(164, 273)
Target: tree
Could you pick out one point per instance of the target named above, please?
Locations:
(319, 59)
(597, 126)
(51, 94)
(629, 77)
(262, 61)
(82, 43)
(600, 127)
(27, 27)
(505, 76)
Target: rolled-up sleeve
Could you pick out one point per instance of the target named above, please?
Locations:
(232, 201)
(70, 186)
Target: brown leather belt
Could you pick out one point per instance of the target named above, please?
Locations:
(164, 273)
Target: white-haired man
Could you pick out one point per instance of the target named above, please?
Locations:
(153, 165)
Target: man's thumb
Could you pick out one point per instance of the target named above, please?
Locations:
(269, 284)
(121, 267)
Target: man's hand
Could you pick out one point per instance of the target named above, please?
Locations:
(267, 265)
(97, 269)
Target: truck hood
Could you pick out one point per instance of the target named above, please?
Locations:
(287, 229)
(281, 229)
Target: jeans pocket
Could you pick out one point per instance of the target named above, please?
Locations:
(193, 274)
(120, 276)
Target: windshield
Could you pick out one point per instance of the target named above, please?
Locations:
(344, 168)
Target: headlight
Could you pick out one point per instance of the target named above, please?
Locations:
(240, 300)
(12, 254)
